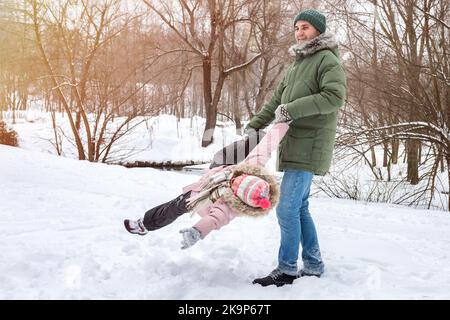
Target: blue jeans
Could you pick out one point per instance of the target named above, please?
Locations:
(297, 225)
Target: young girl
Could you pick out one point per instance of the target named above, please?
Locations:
(220, 195)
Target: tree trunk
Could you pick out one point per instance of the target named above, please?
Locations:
(54, 82)
(413, 161)
(385, 154)
(246, 98)
(448, 177)
(235, 104)
(78, 120)
(395, 146)
(373, 156)
(211, 114)
(261, 95)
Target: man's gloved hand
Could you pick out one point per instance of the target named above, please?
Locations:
(190, 237)
(248, 131)
(282, 114)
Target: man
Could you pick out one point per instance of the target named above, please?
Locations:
(308, 98)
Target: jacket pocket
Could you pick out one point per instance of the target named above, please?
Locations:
(298, 149)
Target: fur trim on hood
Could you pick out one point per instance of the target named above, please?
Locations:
(239, 206)
(323, 41)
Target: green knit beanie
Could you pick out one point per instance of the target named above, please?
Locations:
(314, 17)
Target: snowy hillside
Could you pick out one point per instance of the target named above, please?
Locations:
(158, 140)
(61, 237)
(166, 141)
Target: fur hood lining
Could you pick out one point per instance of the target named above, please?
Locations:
(325, 40)
(240, 207)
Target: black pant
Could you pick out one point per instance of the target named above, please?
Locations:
(166, 213)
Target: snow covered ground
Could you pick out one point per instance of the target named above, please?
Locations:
(61, 237)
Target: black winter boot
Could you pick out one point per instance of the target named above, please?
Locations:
(304, 273)
(135, 227)
(276, 277)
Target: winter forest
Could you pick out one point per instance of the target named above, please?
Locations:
(107, 66)
(166, 84)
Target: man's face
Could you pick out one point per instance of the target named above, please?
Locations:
(304, 31)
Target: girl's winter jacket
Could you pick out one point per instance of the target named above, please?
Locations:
(218, 212)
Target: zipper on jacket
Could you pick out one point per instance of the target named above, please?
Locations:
(292, 78)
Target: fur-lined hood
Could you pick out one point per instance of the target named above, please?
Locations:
(325, 40)
(242, 208)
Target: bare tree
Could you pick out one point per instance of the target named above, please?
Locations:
(203, 26)
(84, 84)
(399, 81)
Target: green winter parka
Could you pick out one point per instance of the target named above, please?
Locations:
(313, 90)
